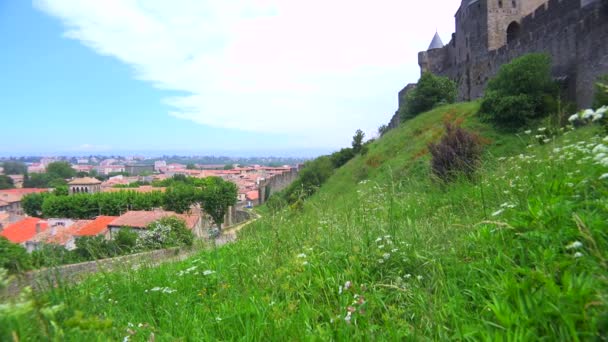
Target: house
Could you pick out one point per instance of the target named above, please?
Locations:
(252, 198)
(139, 220)
(10, 199)
(64, 232)
(22, 231)
(86, 185)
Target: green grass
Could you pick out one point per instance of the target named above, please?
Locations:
(476, 260)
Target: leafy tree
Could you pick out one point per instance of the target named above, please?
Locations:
(190, 166)
(382, 130)
(14, 257)
(228, 166)
(216, 197)
(430, 92)
(522, 91)
(311, 177)
(36, 180)
(600, 98)
(61, 170)
(358, 141)
(342, 157)
(180, 198)
(32, 203)
(14, 168)
(6, 182)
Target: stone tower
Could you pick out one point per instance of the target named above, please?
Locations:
(504, 19)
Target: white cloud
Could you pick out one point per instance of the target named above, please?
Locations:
(316, 69)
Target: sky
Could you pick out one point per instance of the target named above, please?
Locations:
(256, 77)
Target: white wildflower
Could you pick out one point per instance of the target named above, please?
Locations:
(394, 250)
(605, 139)
(587, 114)
(381, 246)
(381, 261)
(348, 317)
(604, 176)
(601, 148)
(301, 255)
(575, 245)
(156, 289)
(498, 212)
(208, 272)
(347, 285)
(386, 256)
(379, 239)
(407, 276)
(419, 277)
(601, 110)
(305, 263)
(546, 141)
(542, 129)
(573, 118)
(126, 339)
(340, 289)
(528, 132)
(578, 255)
(218, 319)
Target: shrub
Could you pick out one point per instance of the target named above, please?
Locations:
(600, 98)
(523, 90)
(430, 92)
(126, 240)
(14, 258)
(49, 255)
(458, 152)
(166, 232)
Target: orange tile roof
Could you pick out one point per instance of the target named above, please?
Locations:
(95, 227)
(60, 235)
(23, 230)
(23, 191)
(253, 195)
(140, 219)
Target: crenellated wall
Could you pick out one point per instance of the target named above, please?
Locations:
(276, 183)
(573, 32)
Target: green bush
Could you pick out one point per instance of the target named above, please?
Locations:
(13, 257)
(49, 255)
(600, 98)
(522, 91)
(167, 232)
(431, 91)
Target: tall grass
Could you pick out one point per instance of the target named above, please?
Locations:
(519, 253)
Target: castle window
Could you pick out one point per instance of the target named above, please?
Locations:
(514, 3)
(513, 31)
(500, 3)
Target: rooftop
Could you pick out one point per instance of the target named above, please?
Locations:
(85, 181)
(23, 230)
(141, 219)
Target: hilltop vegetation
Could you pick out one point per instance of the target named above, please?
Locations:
(384, 252)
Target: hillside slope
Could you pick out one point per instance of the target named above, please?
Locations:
(383, 252)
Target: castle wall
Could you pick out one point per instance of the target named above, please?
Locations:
(574, 37)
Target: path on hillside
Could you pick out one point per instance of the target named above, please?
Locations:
(229, 235)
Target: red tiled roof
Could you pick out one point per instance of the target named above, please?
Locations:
(95, 227)
(140, 219)
(60, 235)
(23, 230)
(253, 195)
(23, 191)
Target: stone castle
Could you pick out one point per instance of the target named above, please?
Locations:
(490, 33)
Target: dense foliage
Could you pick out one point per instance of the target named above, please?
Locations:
(521, 92)
(164, 233)
(457, 153)
(13, 257)
(14, 168)
(6, 182)
(600, 97)
(430, 91)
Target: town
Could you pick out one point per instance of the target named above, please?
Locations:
(254, 184)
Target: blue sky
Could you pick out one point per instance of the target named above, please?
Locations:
(206, 77)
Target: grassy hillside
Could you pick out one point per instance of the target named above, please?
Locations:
(381, 252)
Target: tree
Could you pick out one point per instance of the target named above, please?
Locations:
(430, 92)
(382, 130)
(521, 92)
(60, 169)
(342, 157)
(228, 166)
(32, 203)
(14, 168)
(190, 166)
(6, 182)
(217, 196)
(125, 240)
(167, 232)
(13, 257)
(358, 141)
(36, 180)
(180, 198)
